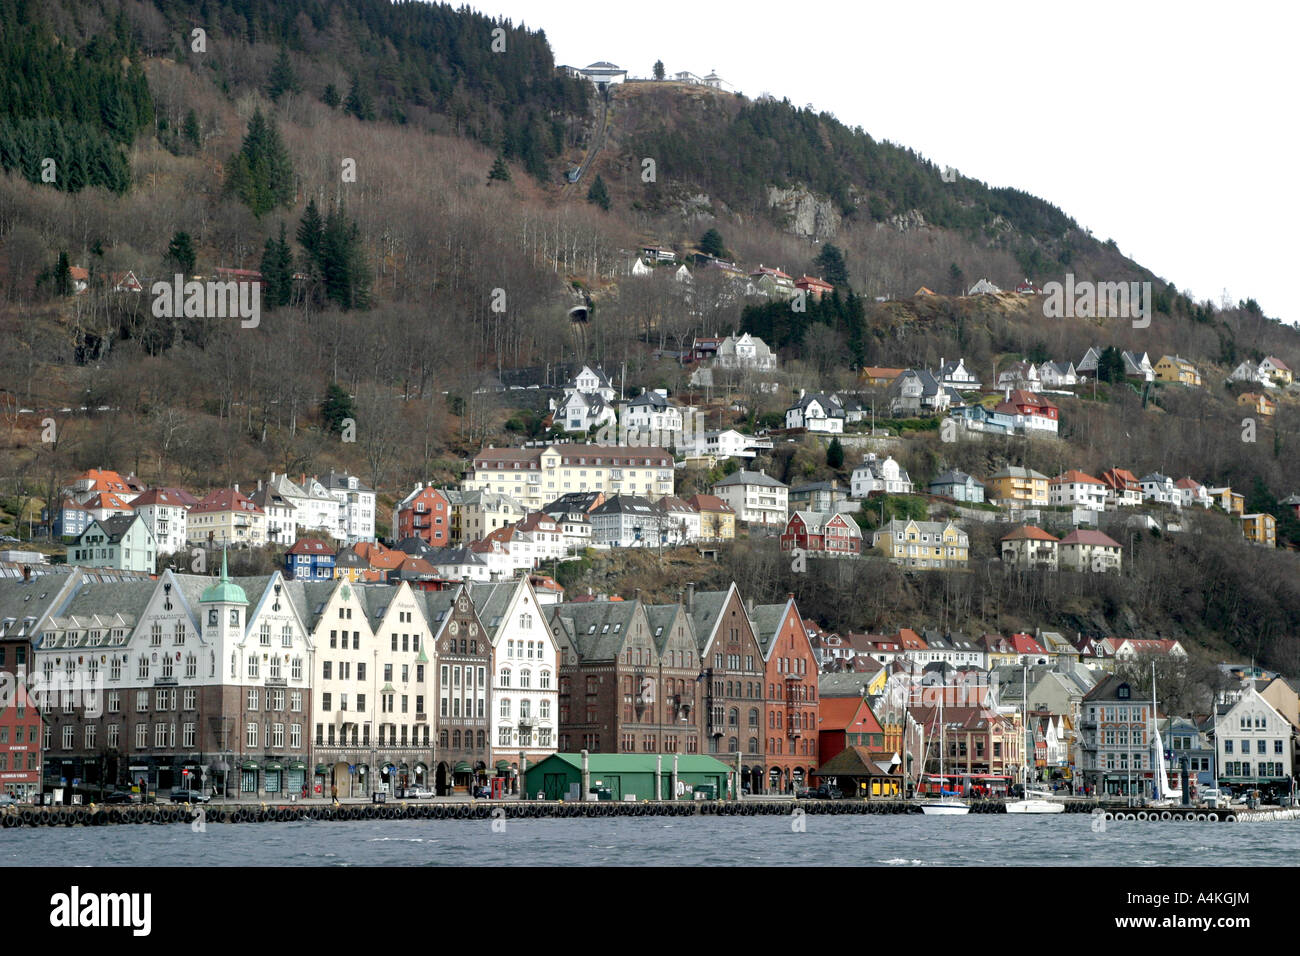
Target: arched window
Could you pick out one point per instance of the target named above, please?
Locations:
(442, 739)
(733, 717)
(482, 740)
(753, 745)
(753, 717)
(455, 739)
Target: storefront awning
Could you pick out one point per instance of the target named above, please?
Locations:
(420, 768)
(503, 764)
(322, 769)
(297, 765)
(462, 767)
(274, 766)
(250, 765)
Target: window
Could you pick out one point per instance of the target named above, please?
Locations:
(141, 701)
(252, 666)
(505, 707)
(295, 736)
(1227, 746)
(326, 702)
(327, 668)
(296, 670)
(250, 736)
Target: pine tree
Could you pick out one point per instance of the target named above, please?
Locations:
(181, 252)
(835, 455)
(191, 130)
(659, 69)
(277, 270)
(500, 171)
(598, 194)
(336, 406)
(282, 79)
(711, 244)
(261, 173)
(63, 275)
(331, 96)
(830, 262)
(310, 229)
(358, 103)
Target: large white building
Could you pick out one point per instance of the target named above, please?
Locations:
(756, 497)
(525, 682)
(356, 507)
(1252, 743)
(875, 474)
(164, 514)
(537, 475)
(122, 542)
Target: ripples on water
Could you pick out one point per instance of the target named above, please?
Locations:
(647, 841)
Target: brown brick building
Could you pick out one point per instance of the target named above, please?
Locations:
(791, 699)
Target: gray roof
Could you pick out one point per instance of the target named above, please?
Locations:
(954, 477)
(766, 619)
(115, 527)
(706, 606)
(339, 481)
(596, 629)
(626, 504)
(743, 477)
(662, 616)
(845, 684)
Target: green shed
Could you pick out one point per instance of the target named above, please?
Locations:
(559, 776)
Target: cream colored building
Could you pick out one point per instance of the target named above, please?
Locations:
(538, 475)
(226, 517)
(923, 544)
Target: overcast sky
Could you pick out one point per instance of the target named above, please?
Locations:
(1169, 127)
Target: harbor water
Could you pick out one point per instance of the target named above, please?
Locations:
(776, 840)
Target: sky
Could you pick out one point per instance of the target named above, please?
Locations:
(1168, 127)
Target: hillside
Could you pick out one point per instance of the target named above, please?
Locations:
(344, 148)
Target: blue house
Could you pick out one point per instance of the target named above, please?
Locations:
(70, 519)
(958, 485)
(310, 559)
(977, 418)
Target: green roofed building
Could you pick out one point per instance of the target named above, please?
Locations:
(620, 776)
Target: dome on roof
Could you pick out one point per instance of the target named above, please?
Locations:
(224, 591)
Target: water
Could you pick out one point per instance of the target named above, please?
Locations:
(1062, 840)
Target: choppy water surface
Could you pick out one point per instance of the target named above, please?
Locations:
(1067, 839)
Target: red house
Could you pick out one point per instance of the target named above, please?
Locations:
(826, 533)
(426, 514)
(814, 287)
(1028, 403)
(847, 722)
(792, 701)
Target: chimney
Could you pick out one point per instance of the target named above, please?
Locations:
(690, 595)
(259, 484)
(236, 488)
(272, 477)
(749, 604)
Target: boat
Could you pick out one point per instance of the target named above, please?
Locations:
(948, 804)
(1165, 795)
(1033, 801)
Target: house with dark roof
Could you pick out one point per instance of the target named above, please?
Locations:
(957, 485)
(1086, 550)
(123, 542)
(309, 559)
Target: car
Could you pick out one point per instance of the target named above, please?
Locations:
(120, 796)
(8, 801)
(418, 793)
(483, 793)
(187, 795)
(827, 792)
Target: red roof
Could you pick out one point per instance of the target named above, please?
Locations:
(106, 500)
(1120, 480)
(1074, 477)
(159, 496)
(310, 546)
(808, 282)
(226, 499)
(850, 714)
(911, 640)
(1029, 532)
(1084, 536)
(709, 503)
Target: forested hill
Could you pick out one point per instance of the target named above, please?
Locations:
(414, 63)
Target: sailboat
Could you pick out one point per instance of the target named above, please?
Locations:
(1165, 795)
(946, 805)
(1033, 801)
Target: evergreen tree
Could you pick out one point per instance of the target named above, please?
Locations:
(310, 229)
(282, 79)
(331, 96)
(830, 263)
(63, 275)
(598, 194)
(659, 69)
(277, 270)
(336, 406)
(261, 173)
(835, 455)
(500, 171)
(711, 244)
(181, 252)
(1110, 367)
(191, 130)
(358, 102)
(956, 283)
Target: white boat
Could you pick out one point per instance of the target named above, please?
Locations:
(945, 805)
(1165, 795)
(1034, 801)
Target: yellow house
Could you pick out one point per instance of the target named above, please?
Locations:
(717, 519)
(1258, 403)
(924, 545)
(875, 376)
(1173, 368)
(1277, 370)
(1260, 529)
(1018, 487)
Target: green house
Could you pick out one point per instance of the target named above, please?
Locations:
(620, 776)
